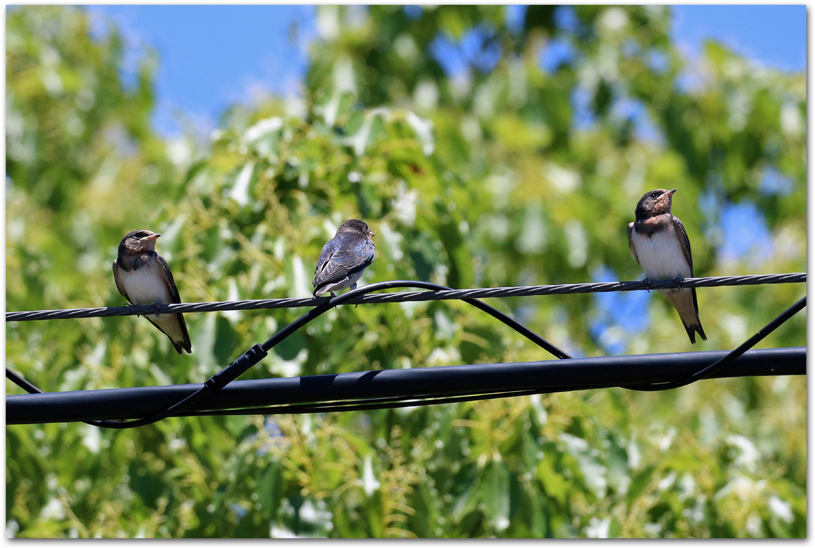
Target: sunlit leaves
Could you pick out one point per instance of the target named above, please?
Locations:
(516, 171)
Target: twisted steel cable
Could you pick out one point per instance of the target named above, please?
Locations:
(409, 296)
(259, 351)
(387, 388)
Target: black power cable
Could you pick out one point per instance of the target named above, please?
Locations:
(399, 387)
(735, 353)
(259, 351)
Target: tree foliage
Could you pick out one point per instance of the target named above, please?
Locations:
(522, 166)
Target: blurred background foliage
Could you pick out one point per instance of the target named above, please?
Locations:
(520, 163)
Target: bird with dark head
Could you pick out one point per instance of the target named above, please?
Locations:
(659, 243)
(654, 203)
(344, 258)
(143, 277)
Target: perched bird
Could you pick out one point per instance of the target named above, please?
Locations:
(344, 258)
(143, 277)
(659, 243)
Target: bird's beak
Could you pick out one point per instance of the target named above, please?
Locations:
(153, 237)
(372, 233)
(666, 199)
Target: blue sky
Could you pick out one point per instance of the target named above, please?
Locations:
(772, 35)
(212, 56)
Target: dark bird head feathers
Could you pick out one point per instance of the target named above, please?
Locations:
(137, 242)
(355, 227)
(655, 202)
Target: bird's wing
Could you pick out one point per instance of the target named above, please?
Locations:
(631, 242)
(116, 278)
(341, 257)
(167, 276)
(323, 262)
(684, 242)
(325, 256)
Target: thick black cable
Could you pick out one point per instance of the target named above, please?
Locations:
(698, 375)
(369, 405)
(31, 389)
(258, 352)
(735, 353)
(418, 400)
(389, 403)
(409, 296)
(399, 387)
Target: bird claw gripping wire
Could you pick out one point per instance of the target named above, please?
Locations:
(128, 305)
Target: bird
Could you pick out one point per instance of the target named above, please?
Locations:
(143, 277)
(659, 243)
(344, 258)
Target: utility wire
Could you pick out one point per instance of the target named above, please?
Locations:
(416, 400)
(21, 382)
(366, 390)
(409, 296)
(741, 349)
(259, 351)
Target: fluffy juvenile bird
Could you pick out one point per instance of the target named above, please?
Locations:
(143, 277)
(659, 243)
(344, 258)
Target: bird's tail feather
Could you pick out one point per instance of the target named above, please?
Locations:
(693, 329)
(180, 337)
(684, 301)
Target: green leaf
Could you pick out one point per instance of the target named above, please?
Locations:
(553, 482)
(495, 494)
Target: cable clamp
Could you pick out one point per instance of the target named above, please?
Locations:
(236, 368)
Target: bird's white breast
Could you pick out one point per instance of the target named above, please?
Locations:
(660, 255)
(145, 286)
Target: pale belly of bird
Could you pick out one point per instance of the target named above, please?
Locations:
(144, 286)
(661, 256)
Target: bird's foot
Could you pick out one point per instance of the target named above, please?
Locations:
(646, 283)
(157, 307)
(679, 279)
(131, 305)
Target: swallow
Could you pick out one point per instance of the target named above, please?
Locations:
(344, 258)
(659, 243)
(143, 277)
